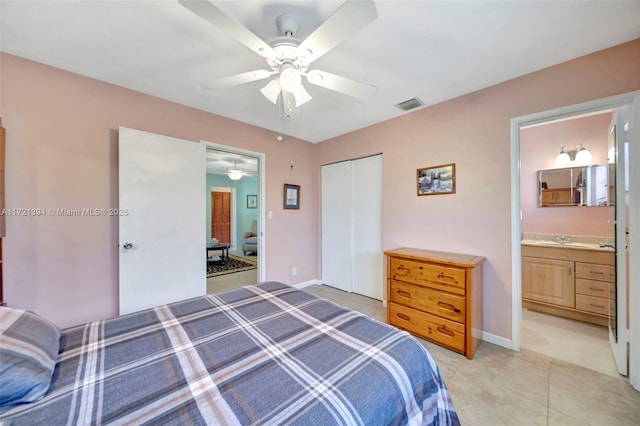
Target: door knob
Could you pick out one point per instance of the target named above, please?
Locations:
(127, 246)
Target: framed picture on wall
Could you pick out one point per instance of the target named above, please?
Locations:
(291, 196)
(252, 201)
(437, 180)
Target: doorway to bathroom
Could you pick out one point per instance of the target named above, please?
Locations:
(611, 346)
(567, 211)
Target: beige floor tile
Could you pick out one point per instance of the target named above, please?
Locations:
(231, 281)
(514, 375)
(591, 397)
(448, 361)
(479, 400)
(569, 340)
(558, 419)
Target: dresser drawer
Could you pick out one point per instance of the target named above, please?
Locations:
(427, 274)
(595, 288)
(437, 302)
(596, 305)
(439, 330)
(595, 272)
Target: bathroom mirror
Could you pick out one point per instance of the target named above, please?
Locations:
(576, 186)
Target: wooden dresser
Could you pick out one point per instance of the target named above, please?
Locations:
(436, 296)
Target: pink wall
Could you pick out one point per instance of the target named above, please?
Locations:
(61, 152)
(473, 131)
(539, 147)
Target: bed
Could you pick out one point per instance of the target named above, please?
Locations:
(263, 354)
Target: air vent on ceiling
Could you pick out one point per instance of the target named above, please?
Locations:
(410, 104)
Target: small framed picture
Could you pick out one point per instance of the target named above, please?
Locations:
(291, 196)
(437, 180)
(252, 201)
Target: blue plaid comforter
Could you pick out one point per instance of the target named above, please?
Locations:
(264, 354)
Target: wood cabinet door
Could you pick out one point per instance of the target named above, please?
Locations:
(548, 280)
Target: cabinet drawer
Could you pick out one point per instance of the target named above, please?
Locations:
(431, 327)
(436, 302)
(595, 272)
(592, 304)
(441, 277)
(594, 288)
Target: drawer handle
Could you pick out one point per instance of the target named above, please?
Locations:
(403, 294)
(401, 270)
(596, 289)
(404, 317)
(448, 306)
(446, 278)
(443, 330)
(597, 306)
(596, 272)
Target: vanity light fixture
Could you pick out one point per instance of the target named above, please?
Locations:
(563, 158)
(583, 155)
(579, 155)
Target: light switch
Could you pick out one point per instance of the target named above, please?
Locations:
(270, 214)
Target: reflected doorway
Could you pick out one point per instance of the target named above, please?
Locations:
(234, 201)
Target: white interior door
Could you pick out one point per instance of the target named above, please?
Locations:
(336, 225)
(366, 199)
(618, 319)
(162, 186)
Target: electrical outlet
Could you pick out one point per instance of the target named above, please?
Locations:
(294, 271)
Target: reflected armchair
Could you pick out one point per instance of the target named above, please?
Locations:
(250, 244)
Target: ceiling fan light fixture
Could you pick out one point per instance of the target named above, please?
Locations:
(290, 78)
(301, 95)
(235, 174)
(272, 90)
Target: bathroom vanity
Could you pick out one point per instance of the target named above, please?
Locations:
(570, 279)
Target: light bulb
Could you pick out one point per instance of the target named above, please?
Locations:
(583, 155)
(563, 158)
(290, 78)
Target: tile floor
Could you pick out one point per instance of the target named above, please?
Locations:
(503, 387)
(576, 342)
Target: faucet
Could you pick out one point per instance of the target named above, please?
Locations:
(563, 239)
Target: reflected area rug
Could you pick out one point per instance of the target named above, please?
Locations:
(233, 264)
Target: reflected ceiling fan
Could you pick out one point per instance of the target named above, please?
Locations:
(289, 58)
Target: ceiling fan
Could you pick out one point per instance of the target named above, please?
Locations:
(289, 58)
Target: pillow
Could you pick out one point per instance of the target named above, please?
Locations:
(29, 347)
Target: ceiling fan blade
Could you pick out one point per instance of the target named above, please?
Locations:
(215, 16)
(347, 20)
(235, 80)
(341, 84)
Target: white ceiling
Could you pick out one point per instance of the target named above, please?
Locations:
(220, 162)
(433, 50)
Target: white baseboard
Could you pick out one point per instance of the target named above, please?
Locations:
(497, 340)
(307, 283)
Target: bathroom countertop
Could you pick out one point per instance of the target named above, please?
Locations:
(579, 242)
